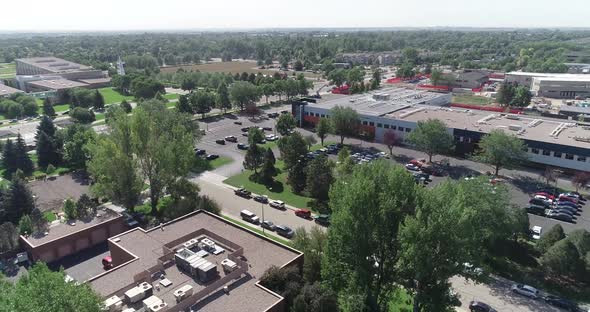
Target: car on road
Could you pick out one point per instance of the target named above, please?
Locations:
(249, 216)
(272, 115)
(303, 213)
(267, 224)
(231, 138)
(238, 123)
(277, 204)
(322, 219)
(245, 129)
(220, 141)
(267, 128)
(261, 198)
(271, 137)
(562, 303)
(243, 146)
(284, 231)
(211, 156)
(243, 193)
(536, 232)
(525, 290)
(200, 152)
(478, 306)
(560, 216)
(412, 167)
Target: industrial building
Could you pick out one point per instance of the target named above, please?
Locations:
(198, 262)
(561, 86)
(467, 79)
(554, 142)
(54, 74)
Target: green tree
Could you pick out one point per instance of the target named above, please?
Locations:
(319, 177)
(9, 161)
(337, 77)
(42, 289)
(376, 80)
(223, 102)
(50, 169)
(98, 102)
(315, 298)
(323, 128)
(15, 157)
(550, 237)
(202, 102)
(312, 243)
(243, 94)
(293, 148)
(522, 97)
(267, 90)
(310, 141)
(505, 93)
(345, 121)
(255, 135)
(184, 104)
(69, 208)
(501, 150)
(436, 77)
(431, 137)
(48, 109)
(8, 237)
(25, 225)
(268, 167)
(581, 239)
(16, 201)
(285, 124)
(563, 259)
(76, 140)
(82, 115)
(254, 158)
(406, 70)
(345, 163)
(296, 176)
(126, 106)
(85, 207)
(284, 281)
(48, 145)
(143, 87)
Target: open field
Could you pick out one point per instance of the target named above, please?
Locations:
(229, 67)
(202, 165)
(111, 96)
(7, 70)
(472, 100)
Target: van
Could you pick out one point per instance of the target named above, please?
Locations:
(249, 216)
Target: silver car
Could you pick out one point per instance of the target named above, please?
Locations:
(525, 290)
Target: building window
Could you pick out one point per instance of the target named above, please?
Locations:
(534, 151)
(306, 113)
(393, 127)
(546, 153)
(386, 126)
(557, 154)
(322, 115)
(408, 129)
(372, 124)
(401, 129)
(569, 156)
(582, 158)
(317, 114)
(364, 123)
(379, 125)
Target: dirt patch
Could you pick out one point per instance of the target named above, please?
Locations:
(230, 67)
(51, 193)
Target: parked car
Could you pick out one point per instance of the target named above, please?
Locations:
(243, 146)
(284, 231)
(273, 115)
(267, 128)
(551, 192)
(412, 167)
(200, 152)
(231, 138)
(271, 137)
(211, 156)
(536, 232)
(107, 263)
(303, 213)
(245, 129)
(560, 216)
(561, 303)
(478, 306)
(277, 204)
(238, 123)
(249, 216)
(539, 202)
(261, 199)
(417, 162)
(544, 198)
(268, 225)
(566, 203)
(322, 219)
(563, 209)
(220, 141)
(549, 196)
(536, 209)
(571, 209)
(243, 193)
(422, 175)
(525, 290)
(563, 197)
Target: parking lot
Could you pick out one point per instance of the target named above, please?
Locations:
(83, 265)
(51, 193)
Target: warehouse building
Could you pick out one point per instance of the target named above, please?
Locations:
(554, 142)
(561, 86)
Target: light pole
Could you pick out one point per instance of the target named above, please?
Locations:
(261, 225)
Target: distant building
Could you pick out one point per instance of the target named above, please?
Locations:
(367, 58)
(578, 68)
(6, 91)
(64, 74)
(467, 79)
(560, 86)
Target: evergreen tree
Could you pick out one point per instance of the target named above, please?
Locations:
(183, 105)
(9, 158)
(98, 101)
(222, 100)
(550, 237)
(319, 177)
(254, 158)
(297, 177)
(23, 161)
(48, 109)
(126, 106)
(48, 146)
(268, 168)
(17, 201)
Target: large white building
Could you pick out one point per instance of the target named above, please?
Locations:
(563, 86)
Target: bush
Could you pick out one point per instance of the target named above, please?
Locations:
(82, 115)
(50, 169)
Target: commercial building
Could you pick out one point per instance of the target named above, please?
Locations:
(563, 86)
(200, 262)
(32, 72)
(6, 91)
(467, 79)
(555, 142)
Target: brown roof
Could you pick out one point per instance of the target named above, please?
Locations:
(53, 64)
(6, 90)
(56, 84)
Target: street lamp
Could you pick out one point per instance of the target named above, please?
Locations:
(261, 225)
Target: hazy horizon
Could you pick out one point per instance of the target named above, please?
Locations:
(232, 15)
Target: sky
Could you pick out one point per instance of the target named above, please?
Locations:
(137, 15)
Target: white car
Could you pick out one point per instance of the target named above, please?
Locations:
(277, 204)
(537, 230)
(525, 290)
(271, 137)
(545, 199)
(412, 167)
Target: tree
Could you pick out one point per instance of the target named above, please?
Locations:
(85, 207)
(319, 177)
(297, 177)
(48, 149)
(98, 102)
(82, 115)
(23, 160)
(406, 70)
(298, 66)
(390, 139)
(550, 237)
(337, 77)
(127, 107)
(254, 158)
(50, 169)
(505, 94)
(580, 180)
(550, 175)
(376, 80)
(581, 239)
(345, 121)
(144, 87)
(76, 139)
(431, 137)
(267, 89)
(285, 124)
(322, 129)
(42, 289)
(8, 237)
(48, 109)
(310, 141)
(255, 135)
(345, 163)
(243, 94)
(25, 225)
(284, 281)
(202, 102)
(17, 201)
(40, 224)
(268, 168)
(184, 104)
(293, 148)
(563, 259)
(222, 99)
(312, 243)
(522, 97)
(315, 298)
(9, 161)
(188, 84)
(501, 150)
(69, 208)
(436, 77)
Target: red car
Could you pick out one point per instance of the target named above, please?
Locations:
(107, 263)
(303, 213)
(417, 162)
(549, 196)
(566, 198)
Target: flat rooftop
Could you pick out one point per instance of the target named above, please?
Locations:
(6, 90)
(534, 128)
(66, 229)
(553, 75)
(54, 64)
(56, 84)
(147, 248)
(365, 104)
(581, 78)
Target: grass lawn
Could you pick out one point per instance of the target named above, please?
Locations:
(202, 165)
(171, 104)
(111, 96)
(49, 216)
(171, 96)
(7, 70)
(99, 116)
(400, 301)
(279, 190)
(257, 230)
(472, 100)
(39, 172)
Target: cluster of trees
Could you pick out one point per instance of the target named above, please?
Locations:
(514, 95)
(84, 208)
(354, 78)
(84, 98)
(565, 256)
(18, 105)
(140, 85)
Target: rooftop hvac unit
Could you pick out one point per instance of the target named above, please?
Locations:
(513, 117)
(183, 292)
(134, 294)
(228, 265)
(113, 304)
(129, 310)
(515, 127)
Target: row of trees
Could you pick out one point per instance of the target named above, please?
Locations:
(563, 255)
(514, 95)
(18, 105)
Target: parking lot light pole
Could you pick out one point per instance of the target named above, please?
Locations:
(262, 207)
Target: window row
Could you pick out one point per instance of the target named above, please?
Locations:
(557, 154)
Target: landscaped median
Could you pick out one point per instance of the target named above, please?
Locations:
(257, 230)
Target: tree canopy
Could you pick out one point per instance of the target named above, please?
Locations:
(501, 150)
(345, 122)
(431, 137)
